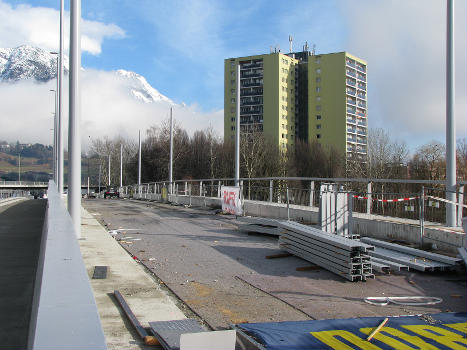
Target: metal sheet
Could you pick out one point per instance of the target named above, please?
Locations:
(168, 332)
(100, 272)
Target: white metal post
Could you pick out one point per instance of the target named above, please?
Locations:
(60, 103)
(171, 152)
(109, 169)
(312, 193)
(369, 200)
(460, 201)
(74, 136)
(450, 119)
(139, 160)
(237, 130)
(271, 188)
(121, 165)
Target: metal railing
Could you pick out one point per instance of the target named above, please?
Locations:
(385, 197)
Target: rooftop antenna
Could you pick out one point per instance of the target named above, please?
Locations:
(313, 50)
(306, 46)
(290, 43)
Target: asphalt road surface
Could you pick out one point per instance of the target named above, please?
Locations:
(223, 276)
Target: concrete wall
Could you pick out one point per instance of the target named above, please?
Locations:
(375, 226)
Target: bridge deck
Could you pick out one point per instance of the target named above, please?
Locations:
(20, 236)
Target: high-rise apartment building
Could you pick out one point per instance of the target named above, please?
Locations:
(300, 96)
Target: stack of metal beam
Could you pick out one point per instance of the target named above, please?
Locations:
(415, 259)
(260, 225)
(343, 256)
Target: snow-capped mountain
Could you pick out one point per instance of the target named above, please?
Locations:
(33, 63)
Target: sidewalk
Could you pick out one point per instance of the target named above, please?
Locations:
(143, 294)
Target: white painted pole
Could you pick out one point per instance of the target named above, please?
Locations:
(121, 165)
(450, 119)
(171, 151)
(60, 102)
(139, 160)
(74, 135)
(109, 171)
(237, 131)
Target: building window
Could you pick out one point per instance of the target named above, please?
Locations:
(318, 98)
(318, 117)
(232, 119)
(318, 70)
(318, 126)
(232, 63)
(232, 82)
(318, 107)
(232, 109)
(318, 136)
(232, 100)
(318, 80)
(318, 89)
(232, 128)
(232, 74)
(283, 136)
(317, 60)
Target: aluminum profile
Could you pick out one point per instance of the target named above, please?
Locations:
(413, 262)
(343, 256)
(393, 265)
(412, 251)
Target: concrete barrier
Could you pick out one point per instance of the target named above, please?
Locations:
(64, 313)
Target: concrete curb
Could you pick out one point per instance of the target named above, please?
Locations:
(144, 296)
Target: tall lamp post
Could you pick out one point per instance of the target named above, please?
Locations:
(55, 160)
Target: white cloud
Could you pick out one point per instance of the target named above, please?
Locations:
(404, 44)
(108, 109)
(39, 26)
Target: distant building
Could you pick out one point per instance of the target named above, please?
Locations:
(300, 96)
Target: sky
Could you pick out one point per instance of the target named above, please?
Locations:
(180, 46)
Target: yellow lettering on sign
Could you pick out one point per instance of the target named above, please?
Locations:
(461, 327)
(417, 342)
(440, 335)
(329, 338)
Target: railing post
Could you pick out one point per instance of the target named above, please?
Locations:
(189, 193)
(312, 193)
(422, 214)
(219, 189)
(271, 184)
(201, 189)
(369, 198)
(186, 188)
(460, 201)
(288, 204)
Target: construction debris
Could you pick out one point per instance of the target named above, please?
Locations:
(408, 300)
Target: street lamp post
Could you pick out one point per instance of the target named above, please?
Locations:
(55, 158)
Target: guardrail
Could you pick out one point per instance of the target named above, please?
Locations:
(374, 196)
(64, 313)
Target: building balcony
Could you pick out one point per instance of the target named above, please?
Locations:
(362, 87)
(352, 74)
(251, 84)
(250, 75)
(362, 96)
(361, 77)
(360, 104)
(350, 63)
(353, 131)
(351, 102)
(251, 66)
(251, 103)
(351, 110)
(350, 82)
(351, 139)
(351, 120)
(361, 67)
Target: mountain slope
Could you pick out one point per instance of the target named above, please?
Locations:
(32, 63)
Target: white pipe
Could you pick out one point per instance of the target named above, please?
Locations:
(74, 135)
(237, 131)
(450, 119)
(171, 152)
(60, 102)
